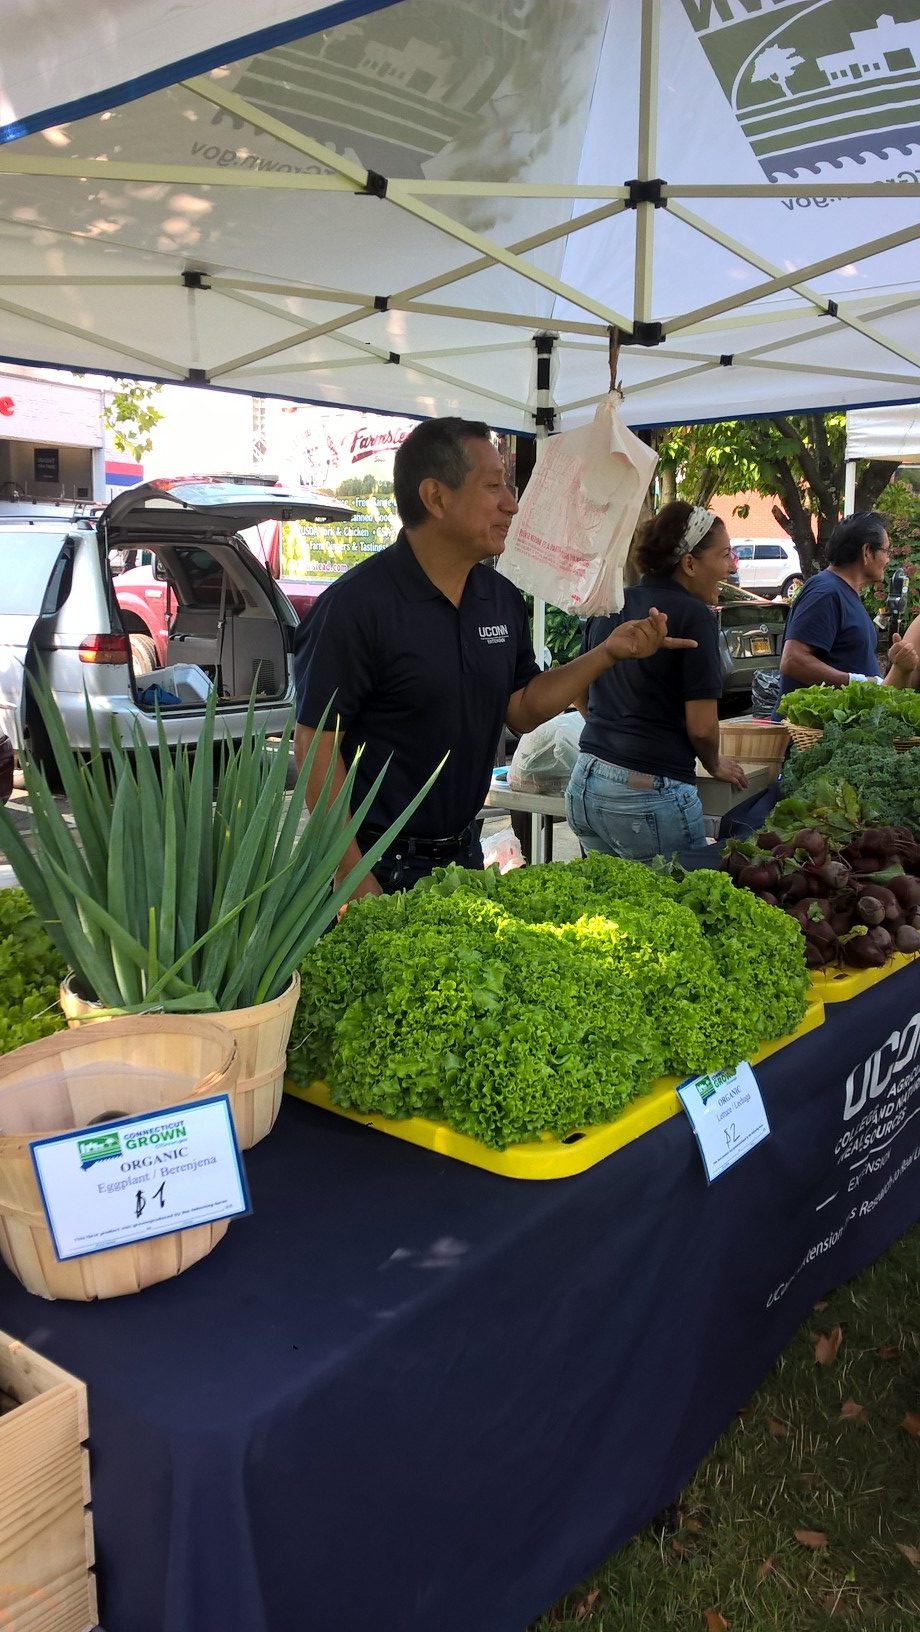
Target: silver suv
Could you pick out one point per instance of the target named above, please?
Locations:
(226, 625)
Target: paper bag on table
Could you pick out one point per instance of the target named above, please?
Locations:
(569, 540)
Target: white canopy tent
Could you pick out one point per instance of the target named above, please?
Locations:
(880, 433)
(383, 205)
(885, 433)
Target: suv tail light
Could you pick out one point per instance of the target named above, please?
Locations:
(104, 649)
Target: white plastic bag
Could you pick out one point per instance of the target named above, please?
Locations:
(544, 759)
(569, 540)
(502, 850)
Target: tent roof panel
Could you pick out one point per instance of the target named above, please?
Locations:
(379, 205)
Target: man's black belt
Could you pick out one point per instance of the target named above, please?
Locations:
(408, 845)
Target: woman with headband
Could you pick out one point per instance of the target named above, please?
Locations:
(633, 790)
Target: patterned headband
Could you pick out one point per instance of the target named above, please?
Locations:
(698, 525)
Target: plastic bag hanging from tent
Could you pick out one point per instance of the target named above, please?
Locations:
(569, 540)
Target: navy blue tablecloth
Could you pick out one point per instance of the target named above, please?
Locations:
(410, 1396)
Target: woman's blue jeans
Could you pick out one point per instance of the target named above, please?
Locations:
(631, 814)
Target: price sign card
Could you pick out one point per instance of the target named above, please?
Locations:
(130, 1180)
(727, 1114)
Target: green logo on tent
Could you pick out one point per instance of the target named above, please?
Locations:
(814, 84)
(98, 1147)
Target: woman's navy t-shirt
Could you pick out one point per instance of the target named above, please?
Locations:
(636, 709)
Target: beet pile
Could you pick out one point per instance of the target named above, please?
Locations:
(856, 902)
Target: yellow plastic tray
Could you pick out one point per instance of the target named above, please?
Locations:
(547, 1157)
(836, 985)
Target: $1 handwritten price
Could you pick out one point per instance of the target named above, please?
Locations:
(140, 1200)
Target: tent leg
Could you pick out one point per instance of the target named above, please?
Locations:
(849, 487)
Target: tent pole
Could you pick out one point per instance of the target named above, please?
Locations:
(849, 487)
(545, 417)
(646, 158)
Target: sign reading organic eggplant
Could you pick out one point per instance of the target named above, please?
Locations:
(727, 1114)
(138, 1177)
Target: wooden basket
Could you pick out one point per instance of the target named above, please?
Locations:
(46, 1530)
(804, 736)
(904, 744)
(754, 744)
(66, 1082)
(261, 1033)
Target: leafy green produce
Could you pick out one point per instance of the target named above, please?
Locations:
(862, 754)
(31, 971)
(543, 1000)
(827, 803)
(817, 706)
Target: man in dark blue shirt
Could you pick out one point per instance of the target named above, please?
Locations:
(428, 652)
(830, 638)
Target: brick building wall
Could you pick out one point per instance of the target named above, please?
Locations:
(761, 523)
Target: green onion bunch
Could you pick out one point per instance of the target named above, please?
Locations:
(181, 886)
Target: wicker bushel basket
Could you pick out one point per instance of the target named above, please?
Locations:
(804, 736)
(98, 1073)
(261, 1034)
(754, 744)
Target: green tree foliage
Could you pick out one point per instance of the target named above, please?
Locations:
(798, 459)
(130, 413)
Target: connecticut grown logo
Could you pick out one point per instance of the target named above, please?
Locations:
(817, 83)
(98, 1147)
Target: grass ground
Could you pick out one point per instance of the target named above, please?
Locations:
(806, 1514)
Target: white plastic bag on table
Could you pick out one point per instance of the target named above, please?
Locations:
(544, 759)
(569, 540)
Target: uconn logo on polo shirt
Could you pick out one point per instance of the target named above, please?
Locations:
(494, 634)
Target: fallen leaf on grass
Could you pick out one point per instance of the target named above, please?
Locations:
(912, 1423)
(763, 1570)
(851, 1412)
(585, 1605)
(691, 1522)
(912, 1554)
(778, 1429)
(832, 1602)
(888, 1351)
(827, 1346)
(811, 1538)
(819, 1308)
(681, 1548)
(715, 1622)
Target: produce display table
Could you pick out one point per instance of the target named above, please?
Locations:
(717, 798)
(411, 1394)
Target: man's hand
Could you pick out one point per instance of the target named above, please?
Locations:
(641, 637)
(367, 886)
(902, 656)
(728, 770)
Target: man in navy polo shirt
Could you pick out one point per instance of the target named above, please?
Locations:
(830, 638)
(428, 652)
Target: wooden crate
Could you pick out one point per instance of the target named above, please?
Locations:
(46, 1531)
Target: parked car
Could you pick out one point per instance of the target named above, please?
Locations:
(142, 591)
(223, 622)
(771, 566)
(750, 637)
